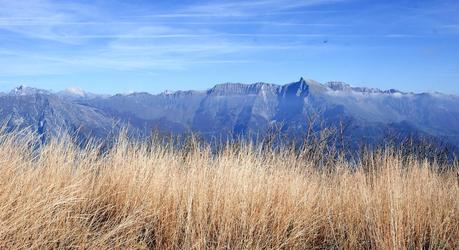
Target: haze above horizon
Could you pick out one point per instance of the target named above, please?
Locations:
(118, 47)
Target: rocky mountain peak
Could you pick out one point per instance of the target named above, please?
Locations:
(23, 90)
(298, 89)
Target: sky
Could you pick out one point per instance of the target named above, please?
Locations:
(124, 46)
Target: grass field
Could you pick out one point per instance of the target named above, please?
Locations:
(142, 195)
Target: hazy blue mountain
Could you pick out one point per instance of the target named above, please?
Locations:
(167, 111)
(50, 115)
(75, 94)
(434, 114)
(235, 109)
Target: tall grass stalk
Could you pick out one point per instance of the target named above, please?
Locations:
(153, 195)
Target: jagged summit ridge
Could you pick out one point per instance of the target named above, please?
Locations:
(338, 86)
(299, 88)
(342, 86)
(23, 90)
(223, 89)
(241, 88)
(179, 93)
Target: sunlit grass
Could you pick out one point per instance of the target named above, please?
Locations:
(141, 196)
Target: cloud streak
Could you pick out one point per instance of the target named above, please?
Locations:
(239, 8)
(135, 41)
(65, 35)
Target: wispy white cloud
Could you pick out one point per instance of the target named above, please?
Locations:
(17, 17)
(77, 36)
(239, 8)
(70, 22)
(132, 42)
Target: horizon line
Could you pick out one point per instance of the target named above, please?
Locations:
(170, 91)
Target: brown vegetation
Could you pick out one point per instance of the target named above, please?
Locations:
(152, 195)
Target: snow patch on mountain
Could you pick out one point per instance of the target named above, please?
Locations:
(75, 91)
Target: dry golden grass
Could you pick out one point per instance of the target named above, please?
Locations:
(139, 196)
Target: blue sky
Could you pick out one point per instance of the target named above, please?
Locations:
(122, 46)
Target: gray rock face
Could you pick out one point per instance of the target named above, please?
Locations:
(234, 108)
(28, 91)
(49, 115)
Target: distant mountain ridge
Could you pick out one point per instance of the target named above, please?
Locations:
(237, 109)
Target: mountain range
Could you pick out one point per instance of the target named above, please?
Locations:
(237, 109)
